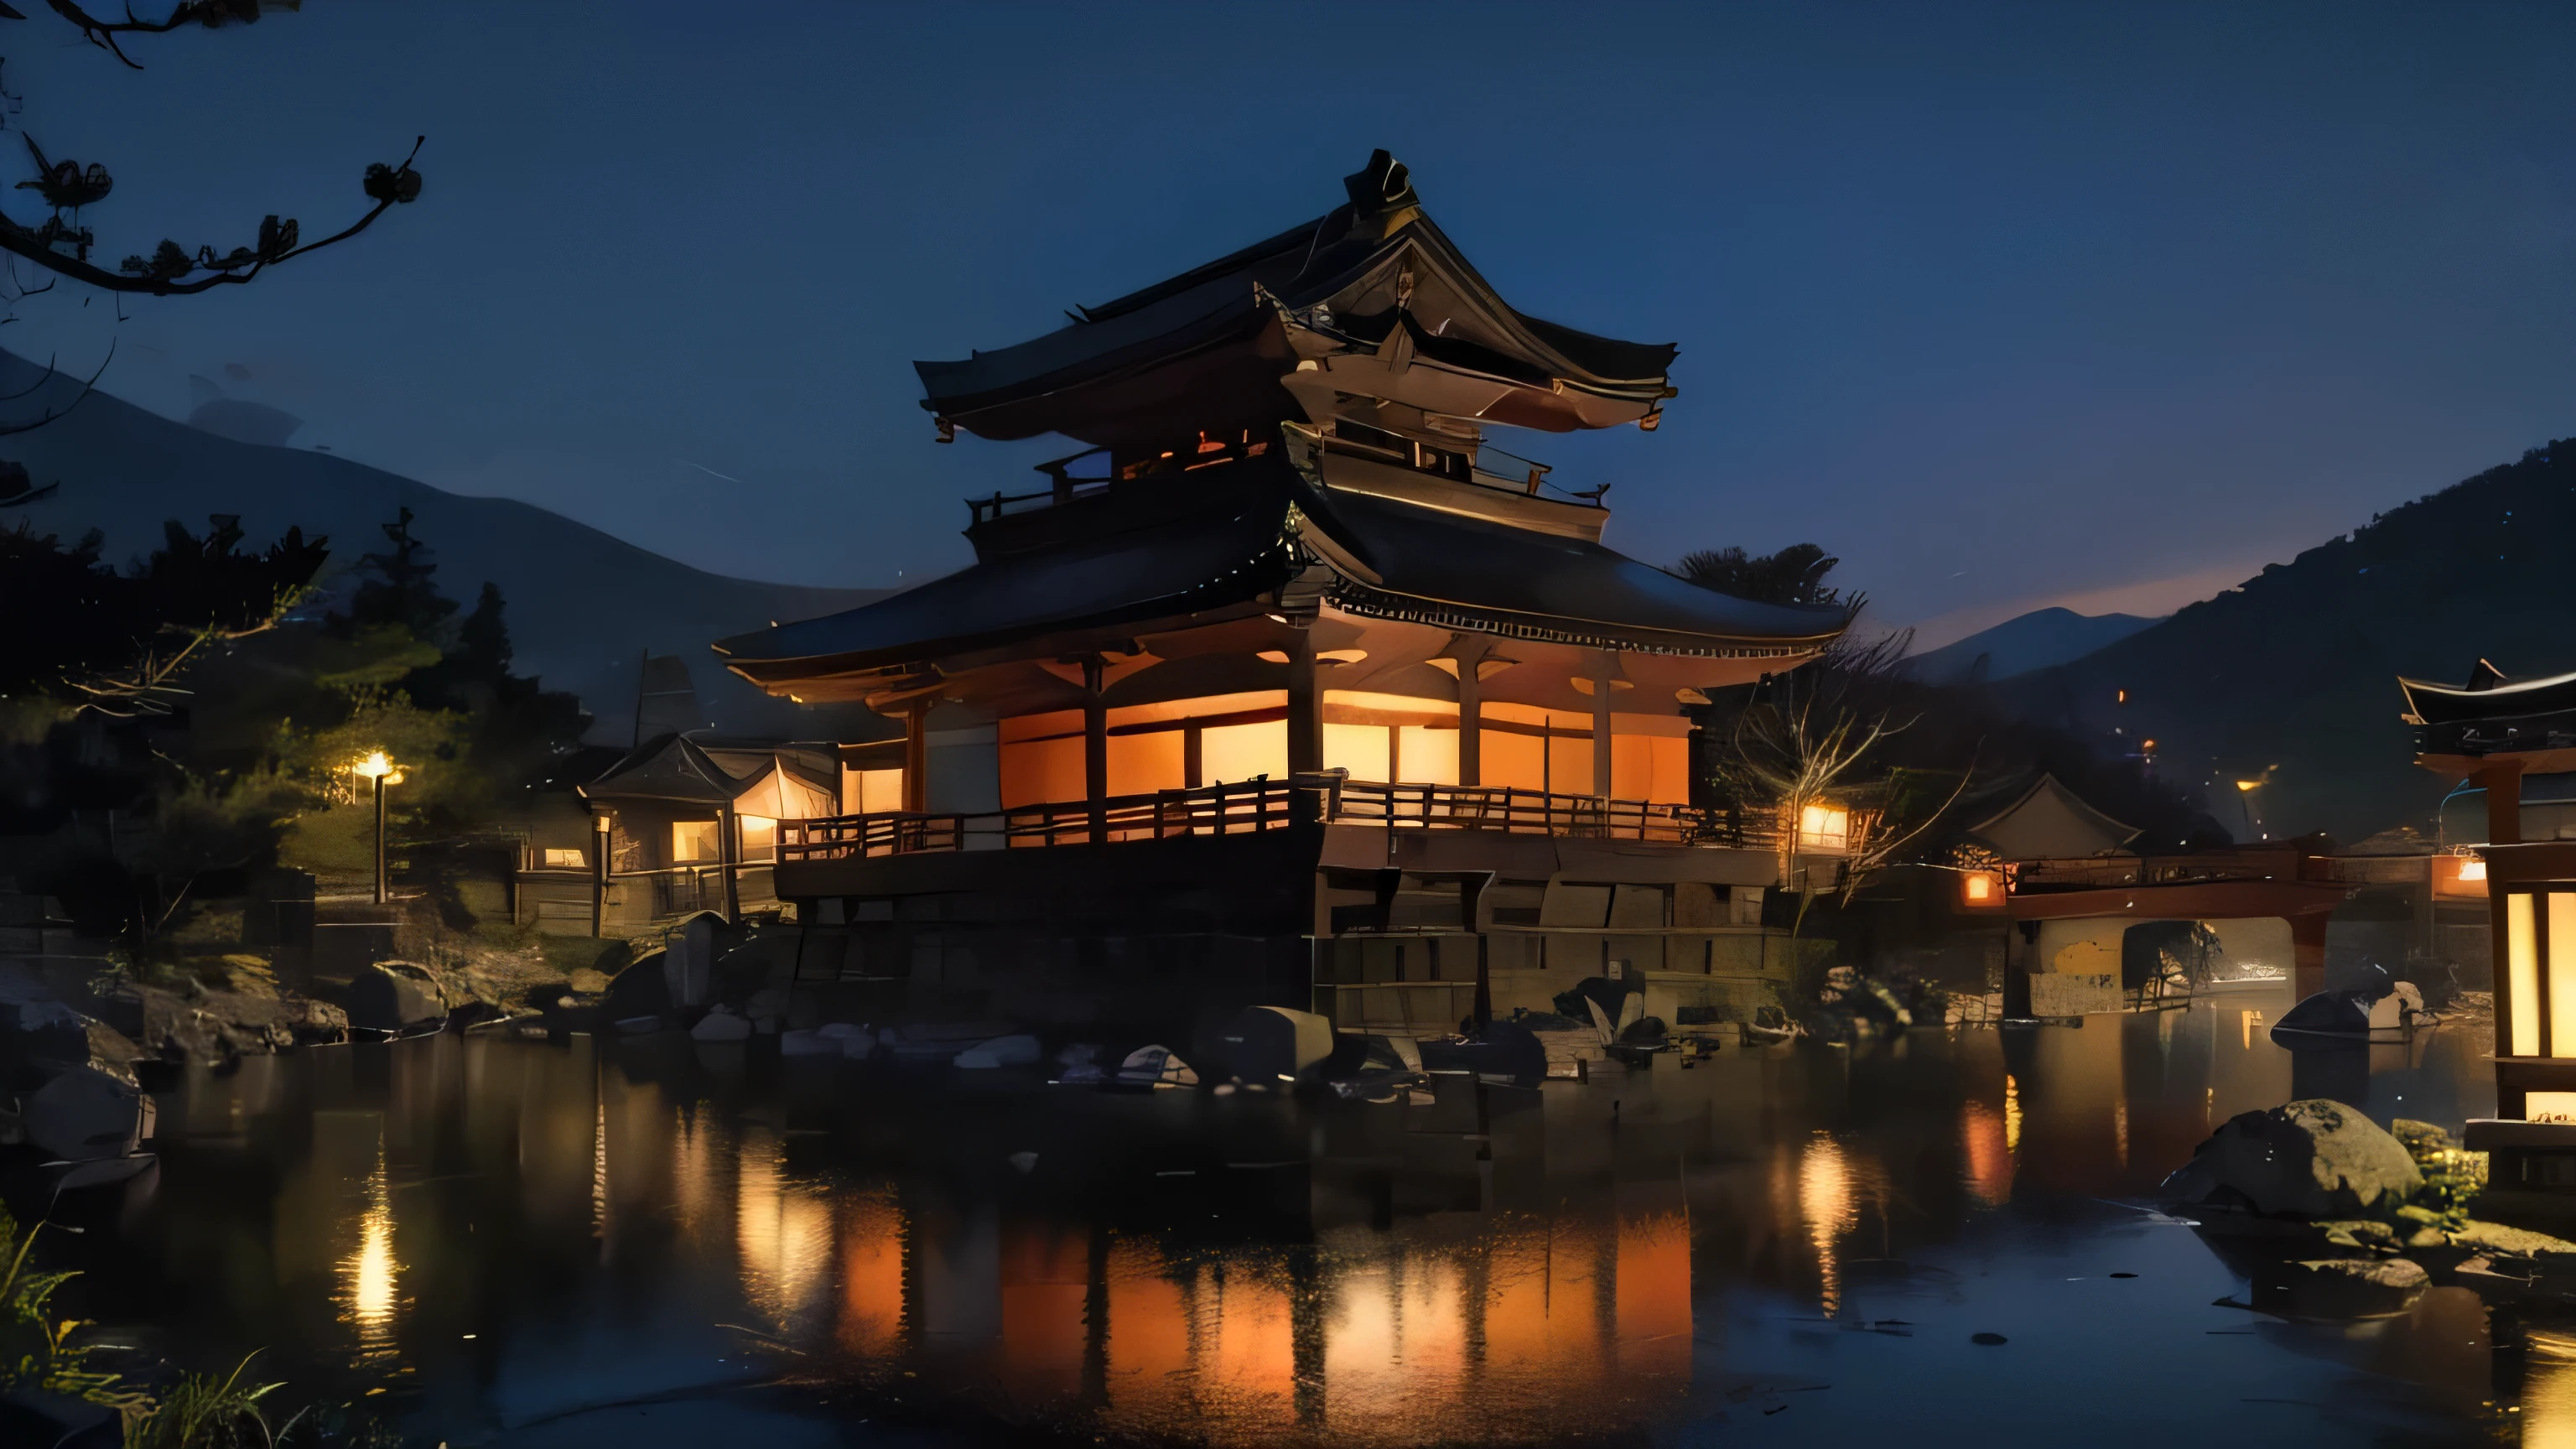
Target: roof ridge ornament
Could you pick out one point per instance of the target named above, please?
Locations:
(1382, 196)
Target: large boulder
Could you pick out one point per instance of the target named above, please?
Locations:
(391, 995)
(1270, 1045)
(2313, 1159)
(84, 1113)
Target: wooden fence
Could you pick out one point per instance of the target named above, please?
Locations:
(1265, 804)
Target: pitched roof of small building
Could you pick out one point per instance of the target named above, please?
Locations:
(2050, 822)
(775, 781)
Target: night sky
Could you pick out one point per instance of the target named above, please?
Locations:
(2007, 305)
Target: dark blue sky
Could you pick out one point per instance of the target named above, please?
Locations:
(2007, 305)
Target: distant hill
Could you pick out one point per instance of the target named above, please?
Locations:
(2298, 666)
(584, 607)
(2023, 643)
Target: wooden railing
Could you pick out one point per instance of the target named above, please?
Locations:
(1265, 804)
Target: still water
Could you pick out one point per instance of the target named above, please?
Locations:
(490, 1241)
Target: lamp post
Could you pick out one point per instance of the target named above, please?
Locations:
(2246, 791)
(381, 770)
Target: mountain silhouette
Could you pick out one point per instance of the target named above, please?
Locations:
(584, 608)
(2297, 667)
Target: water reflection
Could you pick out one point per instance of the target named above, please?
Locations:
(367, 1288)
(1472, 1264)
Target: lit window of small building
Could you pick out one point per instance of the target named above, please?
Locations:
(694, 840)
(1824, 827)
(560, 859)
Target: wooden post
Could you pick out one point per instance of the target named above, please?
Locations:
(1095, 749)
(600, 836)
(1193, 755)
(1305, 706)
(729, 856)
(381, 892)
(1471, 712)
(916, 757)
(1601, 728)
(2503, 779)
(2307, 954)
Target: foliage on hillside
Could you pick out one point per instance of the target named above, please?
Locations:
(257, 732)
(2297, 667)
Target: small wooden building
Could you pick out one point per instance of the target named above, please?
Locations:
(681, 824)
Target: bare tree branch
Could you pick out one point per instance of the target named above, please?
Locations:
(52, 413)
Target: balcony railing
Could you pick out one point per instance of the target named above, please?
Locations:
(1264, 804)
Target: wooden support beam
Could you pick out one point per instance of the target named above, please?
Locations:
(602, 827)
(1468, 653)
(729, 858)
(1095, 748)
(1305, 706)
(2503, 780)
(916, 759)
(1601, 688)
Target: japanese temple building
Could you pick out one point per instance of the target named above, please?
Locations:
(2496, 731)
(1292, 654)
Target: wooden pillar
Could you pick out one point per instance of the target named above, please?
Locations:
(2503, 779)
(1193, 755)
(1471, 712)
(729, 857)
(2308, 954)
(1095, 749)
(1601, 727)
(916, 757)
(1305, 706)
(601, 833)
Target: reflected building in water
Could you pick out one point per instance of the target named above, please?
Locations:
(490, 1227)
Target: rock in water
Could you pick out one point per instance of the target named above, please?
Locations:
(2340, 1287)
(84, 1114)
(721, 1024)
(391, 995)
(2311, 1159)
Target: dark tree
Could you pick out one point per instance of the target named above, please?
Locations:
(81, 636)
(1794, 575)
(400, 590)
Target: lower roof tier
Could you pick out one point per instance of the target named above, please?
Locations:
(1268, 543)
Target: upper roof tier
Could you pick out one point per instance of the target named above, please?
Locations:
(1369, 304)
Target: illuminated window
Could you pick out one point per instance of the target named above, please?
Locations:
(2540, 972)
(565, 859)
(1823, 827)
(1981, 888)
(759, 837)
(2473, 870)
(695, 840)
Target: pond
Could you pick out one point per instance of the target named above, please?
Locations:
(484, 1240)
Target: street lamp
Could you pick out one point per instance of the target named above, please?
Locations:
(2245, 790)
(381, 770)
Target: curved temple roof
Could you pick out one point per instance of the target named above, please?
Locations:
(1374, 264)
(1233, 554)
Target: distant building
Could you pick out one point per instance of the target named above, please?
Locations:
(1294, 654)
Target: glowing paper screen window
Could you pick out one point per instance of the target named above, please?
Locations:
(2522, 974)
(2562, 974)
(2549, 1106)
